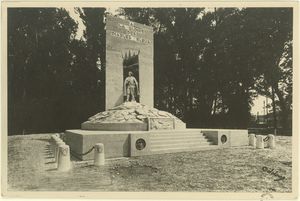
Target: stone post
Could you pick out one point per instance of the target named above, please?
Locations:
(58, 144)
(53, 142)
(99, 158)
(59, 140)
(57, 135)
(259, 142)
(52, 139)
(271, 141)
(252, 140)
(64, 161)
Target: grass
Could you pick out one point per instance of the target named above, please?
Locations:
(240, 169)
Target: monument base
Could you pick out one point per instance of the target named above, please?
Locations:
(115, 126)
(137, 143)
(133, 116)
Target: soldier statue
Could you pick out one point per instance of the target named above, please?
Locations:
(131, 88)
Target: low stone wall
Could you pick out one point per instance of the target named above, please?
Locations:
(227, 137)
(114, 126)
(127, 143)
(80, 141)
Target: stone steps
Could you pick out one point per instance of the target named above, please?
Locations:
(178, 149)
(178, 141)
(176, 135)
(174, 132)
(186, 144)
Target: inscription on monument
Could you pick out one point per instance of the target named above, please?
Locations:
(132, 33)
(130, 37)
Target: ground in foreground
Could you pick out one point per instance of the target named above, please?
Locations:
(243, 169)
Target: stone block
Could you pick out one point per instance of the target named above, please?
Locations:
(122, 37)
(140, 144)
(227, 137)
(218, 137)
(239, 137)
(114, 126)
(116, 143)
(161, 123)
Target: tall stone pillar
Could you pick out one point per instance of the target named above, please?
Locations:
(124, 37)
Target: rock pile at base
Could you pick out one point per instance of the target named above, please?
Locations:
(130, 112)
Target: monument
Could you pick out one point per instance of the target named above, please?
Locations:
(129, 82)
(129, 47)
(130, 126)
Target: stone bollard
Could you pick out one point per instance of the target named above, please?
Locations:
(271, 141)
(252, 140)
(99, 158)
(52, 142)
(57, 135)
(54, 137)
(64, 161)
(56, 152)
(259, 142)
(57, 139)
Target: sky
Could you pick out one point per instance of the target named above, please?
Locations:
(77, 19)
(258, 103)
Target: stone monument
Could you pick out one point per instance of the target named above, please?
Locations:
(129, 82)
(129, 47)
(130, 125)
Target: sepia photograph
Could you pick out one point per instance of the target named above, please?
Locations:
(153, 99)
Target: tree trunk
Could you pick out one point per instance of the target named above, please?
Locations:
(284, 111)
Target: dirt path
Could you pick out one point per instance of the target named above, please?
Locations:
(245, 169)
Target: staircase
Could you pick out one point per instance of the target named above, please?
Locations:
(178, 141)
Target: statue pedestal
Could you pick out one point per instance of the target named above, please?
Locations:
(138, 143)
(133, 116)
(134, 129)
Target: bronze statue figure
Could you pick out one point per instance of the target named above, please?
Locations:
(131, 88)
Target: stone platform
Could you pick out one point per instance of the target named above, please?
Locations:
(134, 129)
(137, 143)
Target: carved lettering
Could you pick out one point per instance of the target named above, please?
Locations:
(130, 37)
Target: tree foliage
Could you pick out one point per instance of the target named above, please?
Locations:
(209, 64)
(53, 79)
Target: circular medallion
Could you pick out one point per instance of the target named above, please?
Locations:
(140, 144)
(223, 139)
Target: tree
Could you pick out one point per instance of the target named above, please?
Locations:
(274, 53)
(91, 68)
(208, 64)
(38, 63)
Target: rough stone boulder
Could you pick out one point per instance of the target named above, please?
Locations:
(133, 116)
